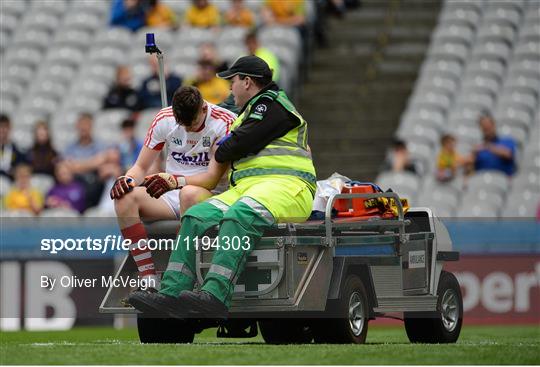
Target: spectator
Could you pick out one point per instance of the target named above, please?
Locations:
(122, 94)
(448, 161)
(130, 146)
(150, 92)
(254, 48)
(202, 14)
(128, 14)
(42, 155)
(84, 157)
(10, 155)
(289, 13)
(66, 193)
(160, 15)
(208, 52)
(495, 153)
(213, 89)
(399, 159)
(239, 15)
(108, 174)
(22, 196)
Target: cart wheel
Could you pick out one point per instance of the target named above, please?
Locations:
(156, 330)
(444, 325)
(354, 307)
(285, 331)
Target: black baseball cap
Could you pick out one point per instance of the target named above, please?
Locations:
(248, 65)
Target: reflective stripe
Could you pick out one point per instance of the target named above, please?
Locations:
(221, 270)
(269, 152)
(140, 257)
(258, 207)
(218, 204)
(284, 144)
(300, 138)
(236, 175)
(145, 267)
(181, 268)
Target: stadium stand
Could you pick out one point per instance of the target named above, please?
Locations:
(484, 56)
(59, 58)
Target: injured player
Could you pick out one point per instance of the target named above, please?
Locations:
(189, 131)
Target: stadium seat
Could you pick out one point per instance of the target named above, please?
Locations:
(104, 72)
(66, 55)
(530, 32)
(482, 84)
(431, 99)
(40, 20)
(12, 89)
(55, 7)
(458, 15)
(448, 51)
(15, 213)
(521, 204)
(194, 36)
(492, 50)
(59, 213)
(521, 100)
(441, 195)
(512, 115)
(25, 55)
(5, 185)
(230, 35)
(22, 136)
(110, 118)
(88, 86)
(475, 100)
(477, 210)
(100, 8)
(40, 104)
(502, 15)
(78, 38)
(114, 37)
(185, 69)
(489, 180)
(34, 38)
(82, 103)
(107, 55)
(442, 69)
(185, 54)
(145, 121)
(453, 33)
(16, 8)
(179, 7)
(486, 67)
(526, 180)
(76, 19)
(530, 50)
(399, 182)
(287, 36)
(61, 73)
(42, 182)
(496, 32)
(8, 105)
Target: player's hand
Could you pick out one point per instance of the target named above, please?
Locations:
(122, 186)
(159, 183)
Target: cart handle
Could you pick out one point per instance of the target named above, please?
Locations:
(333, 198)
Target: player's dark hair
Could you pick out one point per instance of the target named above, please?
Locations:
(4, 119)
(186, 103)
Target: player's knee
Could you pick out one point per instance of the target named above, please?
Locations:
(127, 202)
(191, 195)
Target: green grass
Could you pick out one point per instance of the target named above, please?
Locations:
(385, 345)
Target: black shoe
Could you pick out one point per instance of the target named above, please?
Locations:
(155, 304)
(125, 301)
(202, 305)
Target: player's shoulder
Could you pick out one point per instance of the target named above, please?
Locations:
(220, 114)
(164, 116)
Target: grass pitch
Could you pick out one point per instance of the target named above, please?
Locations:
(385, 345)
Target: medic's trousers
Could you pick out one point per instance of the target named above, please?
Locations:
(243, 213)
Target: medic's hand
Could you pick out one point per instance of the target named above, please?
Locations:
(122, 186)
(159, 183)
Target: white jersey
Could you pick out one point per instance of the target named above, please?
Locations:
(188, 153)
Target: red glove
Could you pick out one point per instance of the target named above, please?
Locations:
(159, 183)
(122, 186)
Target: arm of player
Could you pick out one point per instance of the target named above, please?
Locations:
(209, 179)
(136, 174)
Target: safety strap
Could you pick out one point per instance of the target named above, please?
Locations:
(237, 175)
